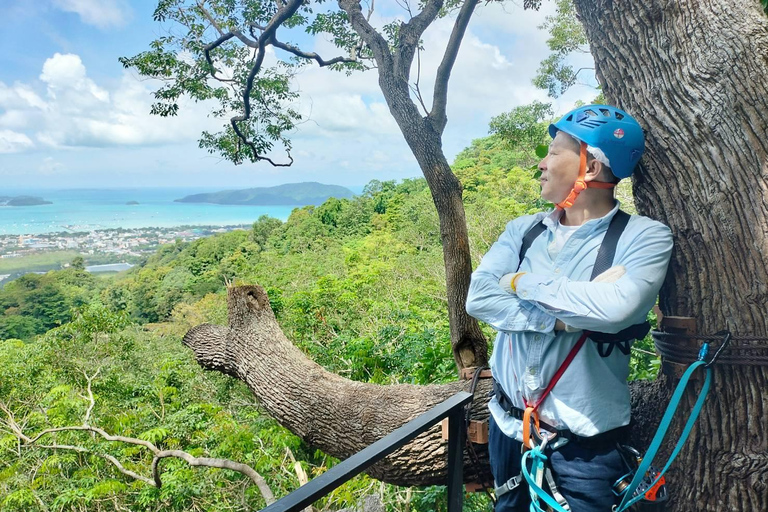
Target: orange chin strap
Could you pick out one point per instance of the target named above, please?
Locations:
(581, 184)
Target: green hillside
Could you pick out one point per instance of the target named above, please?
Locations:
(296, 194)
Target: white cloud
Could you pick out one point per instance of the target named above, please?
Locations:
(77, 112)
(14, 142)
(100, 13)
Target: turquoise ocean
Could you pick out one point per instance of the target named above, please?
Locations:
(90, 209)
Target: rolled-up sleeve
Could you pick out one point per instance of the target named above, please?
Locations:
(502, 310)
(607, 307)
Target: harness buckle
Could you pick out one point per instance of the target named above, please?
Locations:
(508, 486)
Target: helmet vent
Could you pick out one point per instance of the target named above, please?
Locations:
(619, 116)
(592, 123)
(605, 112)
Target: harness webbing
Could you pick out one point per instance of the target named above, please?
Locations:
(605, 254)
(530, 409)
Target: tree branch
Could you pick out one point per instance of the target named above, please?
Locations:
(248, 471)
(369, 35)
(90, 396)
(284, 12)
(440, 95)
(158, 454)
(110, 458)
(410, 35)
(311, 55)
(211, 19)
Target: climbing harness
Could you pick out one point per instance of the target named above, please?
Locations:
(645, 486)
(535, 438)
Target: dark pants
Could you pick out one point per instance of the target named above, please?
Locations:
(584, 476)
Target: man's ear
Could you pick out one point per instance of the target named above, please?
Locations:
(594, 169)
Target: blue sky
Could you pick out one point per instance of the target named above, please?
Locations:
(71, 116)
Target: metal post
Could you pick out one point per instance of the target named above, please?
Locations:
(456, 440)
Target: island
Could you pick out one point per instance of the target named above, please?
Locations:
(294, 194)
(132, 203)
(22, 201)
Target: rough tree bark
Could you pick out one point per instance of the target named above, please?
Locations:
(336, 415)
(696, 76)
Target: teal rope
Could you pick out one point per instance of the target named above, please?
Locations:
(537, 492)
(628, 500)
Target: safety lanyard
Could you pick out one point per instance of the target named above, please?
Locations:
(661, 433)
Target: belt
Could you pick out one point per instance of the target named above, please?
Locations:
(597, 441)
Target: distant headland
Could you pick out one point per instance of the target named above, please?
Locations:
(299, 194)
(22, 201)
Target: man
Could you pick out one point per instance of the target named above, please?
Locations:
(543, 304)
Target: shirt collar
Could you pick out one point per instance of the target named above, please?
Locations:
(553, 218)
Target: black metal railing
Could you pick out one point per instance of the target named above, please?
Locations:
(453, 409)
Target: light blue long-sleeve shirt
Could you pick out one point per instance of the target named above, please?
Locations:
(592, 396)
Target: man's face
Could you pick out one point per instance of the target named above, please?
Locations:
(560, 168)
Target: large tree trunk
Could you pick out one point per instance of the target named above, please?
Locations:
(336, 415)
(696, 76)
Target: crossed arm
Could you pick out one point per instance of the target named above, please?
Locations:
(540, 300)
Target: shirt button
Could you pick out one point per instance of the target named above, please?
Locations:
(532, 371)
(525, 294)
(537, 337)
(542, 326)
(557, 270)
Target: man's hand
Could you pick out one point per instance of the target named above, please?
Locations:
(611, 275)
(508, 282)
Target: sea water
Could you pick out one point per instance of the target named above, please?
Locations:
(91, 209)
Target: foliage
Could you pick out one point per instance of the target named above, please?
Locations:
(555, 73)
(202, 56)
(33, 303)
(524, 127)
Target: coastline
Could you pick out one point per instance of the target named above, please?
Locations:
(103, 250)
(78, 210)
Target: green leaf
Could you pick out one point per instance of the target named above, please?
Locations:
(542, 150)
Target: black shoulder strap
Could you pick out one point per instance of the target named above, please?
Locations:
(607, 250)
(605, 254)
(528, 239)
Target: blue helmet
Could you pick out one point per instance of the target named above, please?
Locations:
(609, 129)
